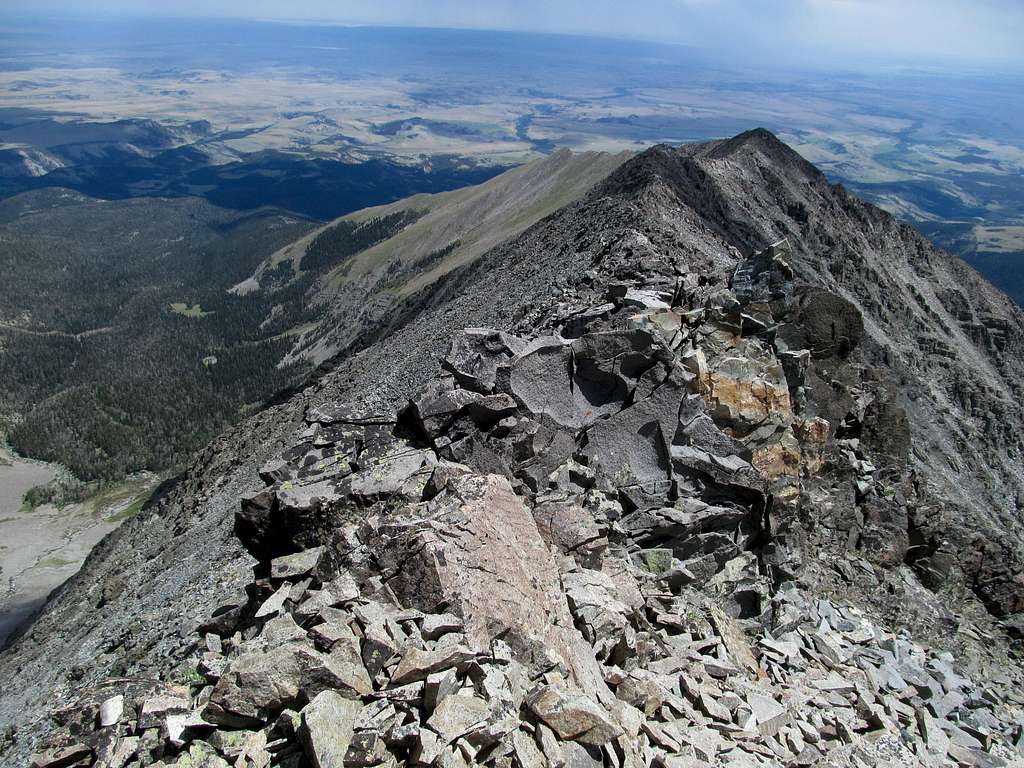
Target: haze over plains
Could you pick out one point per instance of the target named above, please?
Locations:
(808, 32)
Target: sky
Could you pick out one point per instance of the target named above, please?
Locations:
(985, 31)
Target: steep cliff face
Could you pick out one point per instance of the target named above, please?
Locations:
(699, 447)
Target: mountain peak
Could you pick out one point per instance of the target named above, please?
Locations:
(642, 453)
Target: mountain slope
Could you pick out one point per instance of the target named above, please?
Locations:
(851, 448)
(447, 230)
(111, 313)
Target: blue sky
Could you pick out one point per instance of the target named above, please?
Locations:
(789, 30)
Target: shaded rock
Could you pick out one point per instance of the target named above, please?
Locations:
(391, 473)
(769, 715)
(541, 379)
(766, 276)
(576, 384)
(257, 686)
(417, 664)
(633, 446)
(63, 757)
(155, 709)
(368, 748)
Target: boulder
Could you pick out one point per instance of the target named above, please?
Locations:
(748, 388)
(457, 714)
(576, 383)
(573, 715)
(257, 686)
(475, 550)
(326, 730)
(296, 565)
(475, 354)
(633, 447)
(418, 664)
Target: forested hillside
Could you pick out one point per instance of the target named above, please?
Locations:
(133, 331)
(122, 350)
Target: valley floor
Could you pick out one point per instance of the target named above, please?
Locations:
(42, 547)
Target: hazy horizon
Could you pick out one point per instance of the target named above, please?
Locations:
(809, 33)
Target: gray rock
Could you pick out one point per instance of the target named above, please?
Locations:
(62, 757)
(179, 728)
(259, 685)
(458, 714)
(573, 716)
(156, 708)
(439, 405)
(282, 629)
(417, 664)
(326, 730)
(725, 470)
(439, 686)
(634, 445)
(295, 566)
(388, 475)
(768, 713)
(475, 354)
(368, 748)
(274, 604)
(434, 625)
(650, 300)
(117, 752)
(541, 379)
(713, 709)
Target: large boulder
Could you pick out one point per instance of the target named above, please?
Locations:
(476, 354)
(326, 729)
(633, 447)
(475, 550)
(260, 684)
(573, 715)
(576, 383)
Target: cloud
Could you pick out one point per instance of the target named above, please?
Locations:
(771, 30)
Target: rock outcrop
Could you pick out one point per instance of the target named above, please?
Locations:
(682, 510)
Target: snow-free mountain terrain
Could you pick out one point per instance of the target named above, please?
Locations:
(715, 465)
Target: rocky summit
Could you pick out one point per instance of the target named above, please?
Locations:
(715, 466)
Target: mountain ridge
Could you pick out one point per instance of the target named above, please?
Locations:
(662, 234)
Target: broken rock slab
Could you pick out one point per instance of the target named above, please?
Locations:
(257, 686)
(476, 354)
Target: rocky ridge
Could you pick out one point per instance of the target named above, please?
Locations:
(577, 548)
(677, 510)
